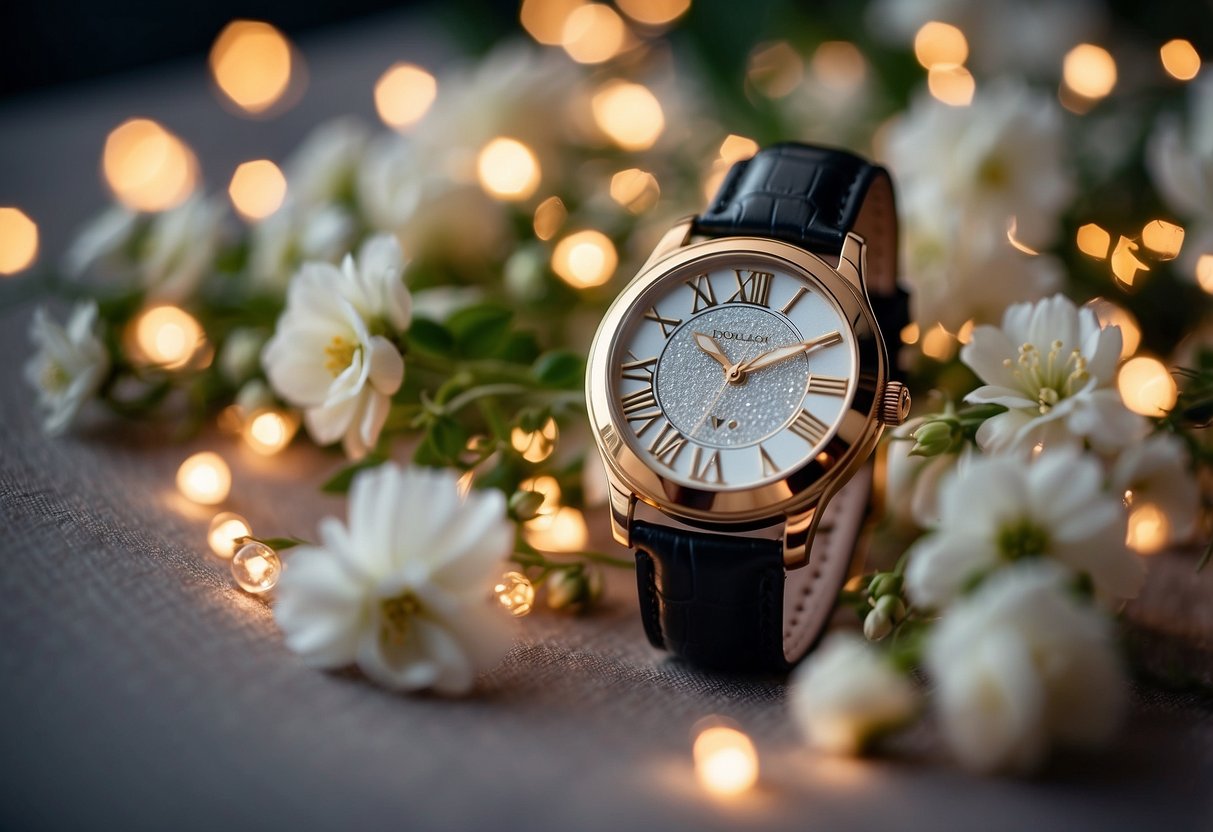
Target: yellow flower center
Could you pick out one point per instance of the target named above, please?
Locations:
(340, 354)
(54, 377)
(1049, 379)
(397, 618)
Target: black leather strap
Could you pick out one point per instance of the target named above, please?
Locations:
(726, 602)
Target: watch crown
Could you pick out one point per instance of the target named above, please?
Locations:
(894, 403)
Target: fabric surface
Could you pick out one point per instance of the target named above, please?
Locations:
(139, 689)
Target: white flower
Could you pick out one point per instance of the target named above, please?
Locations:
(104, 240)
(329, 354)
(1157, 472)
(983, 165)
(847, 693)
(1180, 159)
(179, 249)
(1021, 665)
(1054, 368)
(294, 235)
(240, 355)
(402, 591)
(322, 170)
(69, 366)
(998, 510)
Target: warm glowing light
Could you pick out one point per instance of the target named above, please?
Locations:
(251, 64)
(1125, 263)
(940, 43)
(544, 19)
(1109, 314)
(714, 180)
(839, 66)
(269, 431)
(593, 33)
(775, 69)
(536, 445)
(166, 336)
(1089, 71)
(938, 343)
(1148, 529)
(549, 488)
(1204, 272)
(965, 334)
(563, 530)
(227, 528)
(726, 762)
(585, 259)
(205, 478)
(257, 189)
(1179, 59)
(1163, 238)
(18, 240)
(256, 567)
(629, 114)
(1093, 240)
(1146, 386)
(508, 169)
(1012, 229)
(549, 216)
(147, 167)
(736, 148)
(403, 95)
(909, 333)
(654, 12)
(952, 84)
(516, 593)
(635, 189)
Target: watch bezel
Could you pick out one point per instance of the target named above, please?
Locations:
(847, 447)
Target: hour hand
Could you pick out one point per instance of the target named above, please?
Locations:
(708, 344)
(778, 354)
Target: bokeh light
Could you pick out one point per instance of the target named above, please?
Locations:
(1093, 240)
(635, 189)
(257, 189)
(18, 241)
(268, 431)
(1109, 314)
(256, 567)
(1146, 386)
(593, 33)
(629, 114)
(1148, 529)
(549, 216)
(1180, 59)
(251, 63)
(726, 762)
(775, 69)
(952, 84)
(1163, 238)
(735, 148)
(404, 94)
(147, 167)
(839, 66)
(204, 478)
(508, 169)
(536, 445)
(585, 258)
(165, 336)
(563, 530)
(1125, 262)
(549, 487)
(1089, 70)
(225, 532)
(544, 19)
(940, 43)
(515, 593)
(1204, 272)
(654, 12)
(938, 343)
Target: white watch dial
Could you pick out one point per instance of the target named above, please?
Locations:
(730, 377)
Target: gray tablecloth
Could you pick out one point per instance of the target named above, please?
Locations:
(140, 689)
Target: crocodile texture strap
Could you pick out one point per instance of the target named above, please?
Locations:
(725, 601)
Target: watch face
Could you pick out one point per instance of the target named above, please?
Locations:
(732, 372)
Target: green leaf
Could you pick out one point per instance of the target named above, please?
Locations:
(519, 348)
(429, 337)
(449, 438)
(278, 544)
(563, 369)
(480, 330)
(339, 483)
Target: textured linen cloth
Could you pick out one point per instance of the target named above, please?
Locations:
(140, 689)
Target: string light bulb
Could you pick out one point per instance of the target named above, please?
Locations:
(256, 567)
(629, 114)
(585, 259)
(1089, 71)
(268, 431)
(225, 532)
(1148, 529)
(165, 336)
(18, 241)
(593, 33)
(146, 167)
(940, 43)
(516, 593)
(404, 94)
(204, 478)
(1180, 59)
(563, 530)
(251, 64)
(257, 189)
(508, 169)
(726, 762)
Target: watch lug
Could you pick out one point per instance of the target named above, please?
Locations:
(623, 508)
(797, 533)
(677, 237)
(851, 262)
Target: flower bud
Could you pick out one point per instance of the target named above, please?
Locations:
(877, 625)
(884, 583)
(524, 505)
(933, 437)
(893, 608)
(574, 590)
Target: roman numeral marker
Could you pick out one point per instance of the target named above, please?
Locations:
(753, 289)
(667, 444)
(768, 465)
(611, 439)
(706, 470)
(639, 369)
(642, 407)
(827, 385)
(808, 427)
(654, 315)
(787, 307)
(702, 287)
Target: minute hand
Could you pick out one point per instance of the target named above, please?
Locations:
(766, 359)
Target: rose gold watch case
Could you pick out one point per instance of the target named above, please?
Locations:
(797, 496)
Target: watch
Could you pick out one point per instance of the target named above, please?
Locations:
(737, 388)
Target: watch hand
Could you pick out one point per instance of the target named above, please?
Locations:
(709, 345)
(779, 354)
